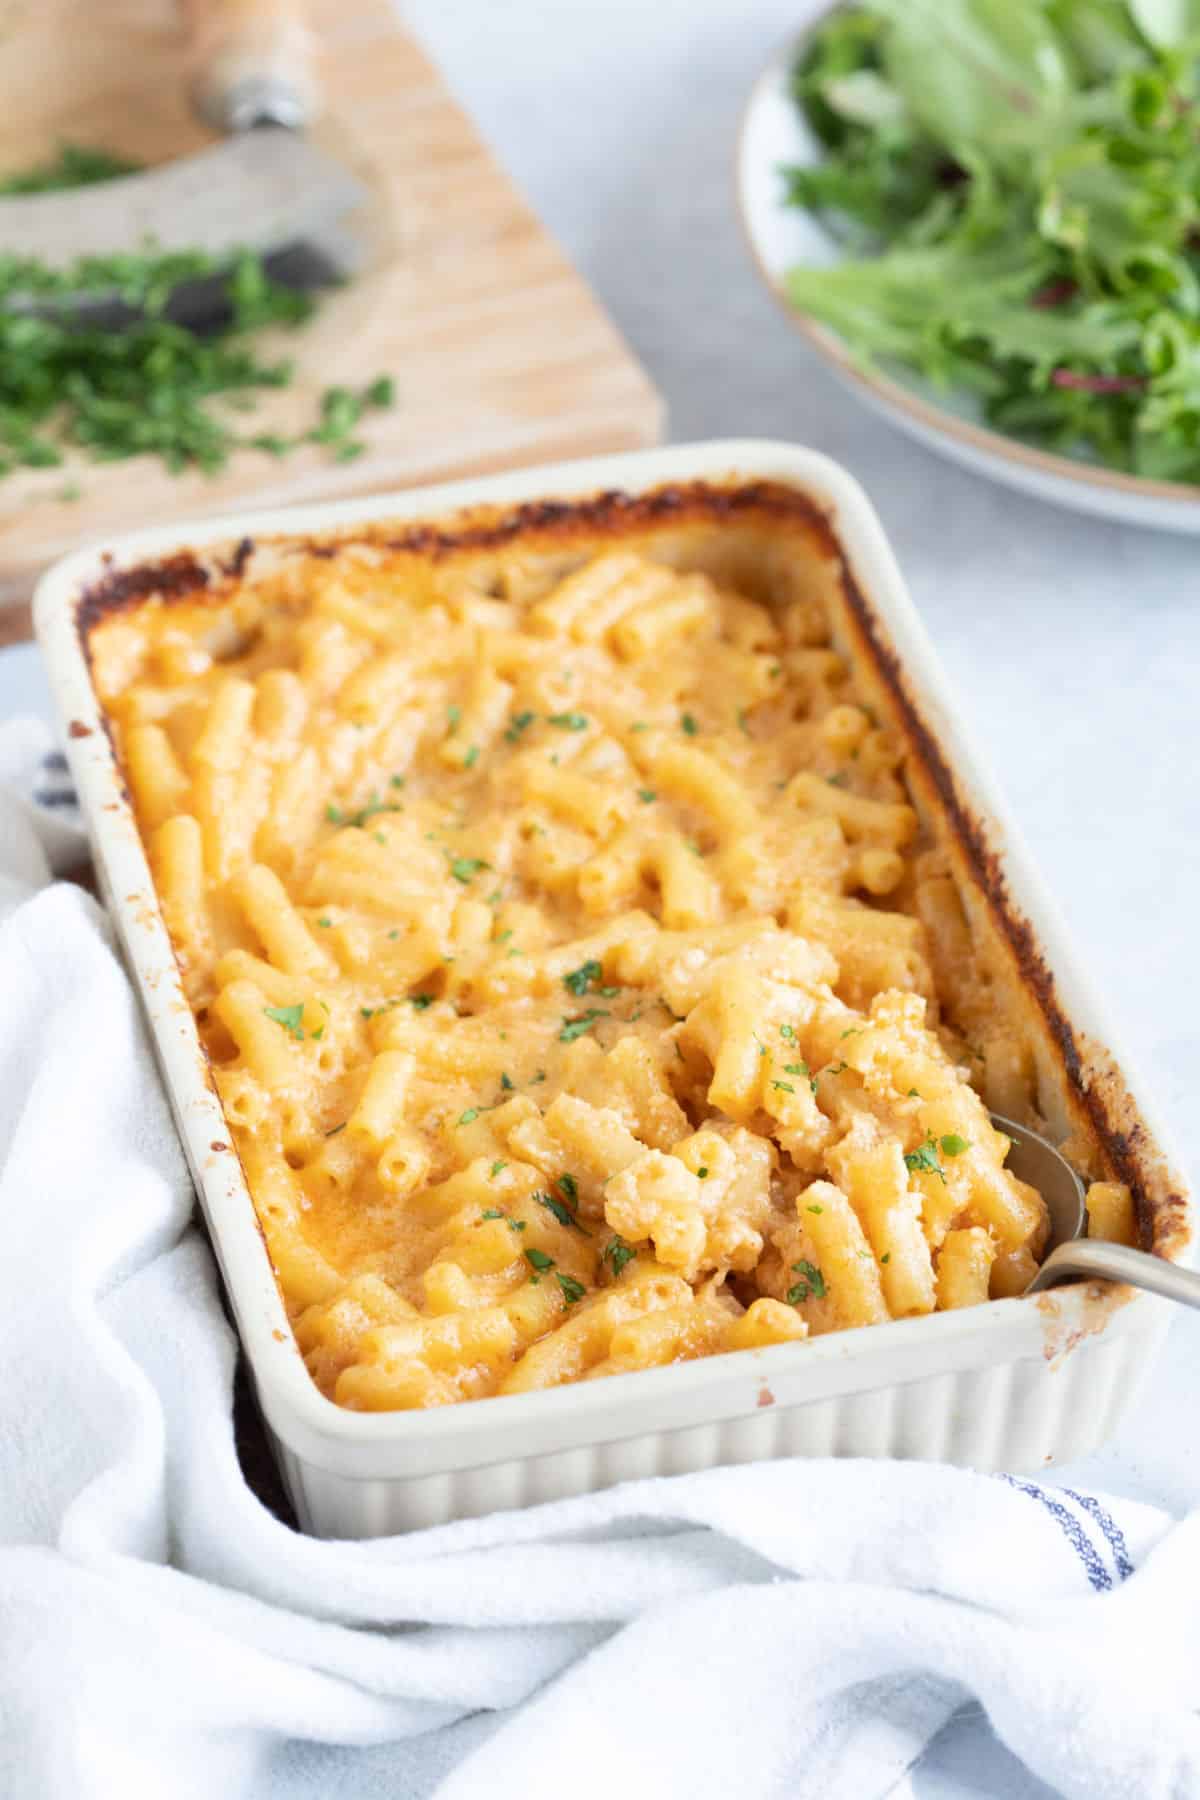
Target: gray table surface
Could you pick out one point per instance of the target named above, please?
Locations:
(1074, 645)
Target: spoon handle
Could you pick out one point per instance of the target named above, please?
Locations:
(1115, 1262)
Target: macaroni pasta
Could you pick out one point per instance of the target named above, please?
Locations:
(581, 989)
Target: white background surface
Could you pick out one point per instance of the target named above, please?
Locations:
(1075, 645)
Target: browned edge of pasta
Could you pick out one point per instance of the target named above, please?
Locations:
(1095, 1081)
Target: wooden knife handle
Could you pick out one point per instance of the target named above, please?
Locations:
(253, 62)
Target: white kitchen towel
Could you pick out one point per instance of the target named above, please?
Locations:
(797, 1629)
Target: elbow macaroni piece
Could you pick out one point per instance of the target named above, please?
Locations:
(525, 928)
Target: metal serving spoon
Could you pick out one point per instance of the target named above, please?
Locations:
(1033, 1160)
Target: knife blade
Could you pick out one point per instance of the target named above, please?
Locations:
(265, 188)
(261, 190)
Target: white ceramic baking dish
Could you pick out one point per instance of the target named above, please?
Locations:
(1013, 1384)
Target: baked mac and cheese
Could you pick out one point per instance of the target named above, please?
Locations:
(581, 987)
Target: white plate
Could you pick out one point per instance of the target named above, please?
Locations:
(773, 135)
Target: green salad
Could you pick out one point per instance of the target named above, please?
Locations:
(1017, 185)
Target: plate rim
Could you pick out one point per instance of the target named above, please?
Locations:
(874, 385)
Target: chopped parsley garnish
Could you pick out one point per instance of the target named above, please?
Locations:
(568, 721)
(839, 780)
(953, 1145)
(886, 1257)
(640, 726)
(465, 868)
(702, 1173)
(562, 1213)
(813, 1283)
(289, 1017)
(913, 1094)
(570, 1187)
(853, 1031)
(368, 1012)
(785, 1085)
(572, 1290)
(453, 718)
(374, 805)
(924, 1161)
(801, 1068)
(814, 1208)
(573, 1028)
(324, 924)
(688, 724)
(492, 1212)
(581, 979)
(520, 722)
(496, 1168)
(471, 758)
(787, 1032)
(335, 1129)
(396, 781)
(834, 1068)
(616, 1253)
(741, 719)
(470, 1116)
(647, 796)
(537, 1259)
(505, 1083)
(516, 1224)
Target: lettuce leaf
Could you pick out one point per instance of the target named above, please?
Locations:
(1023, 180)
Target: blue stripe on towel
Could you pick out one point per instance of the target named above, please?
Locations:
(1072, 1530)
(53, 787)
(1110, 1528)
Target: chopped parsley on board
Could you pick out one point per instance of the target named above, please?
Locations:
(153, 386)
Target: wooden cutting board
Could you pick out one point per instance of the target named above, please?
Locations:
(500, 353)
